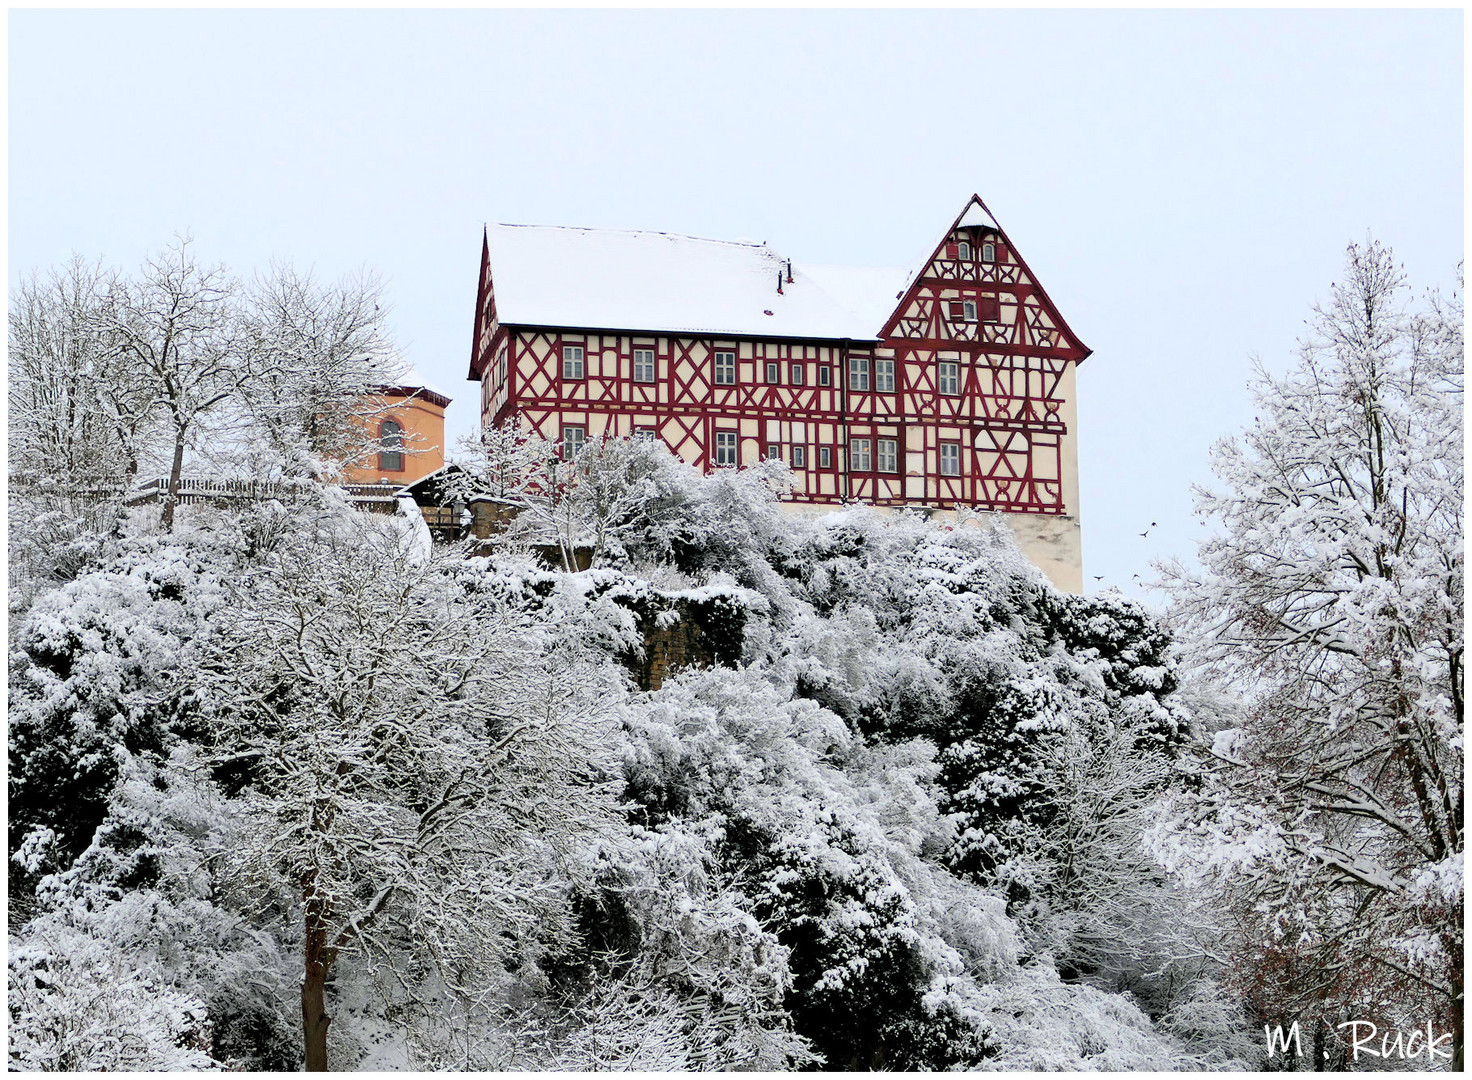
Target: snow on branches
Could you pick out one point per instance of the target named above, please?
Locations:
(1331, 597)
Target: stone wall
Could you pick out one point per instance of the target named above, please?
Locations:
(680, 632)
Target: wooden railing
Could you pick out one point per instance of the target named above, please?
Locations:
(195, 490)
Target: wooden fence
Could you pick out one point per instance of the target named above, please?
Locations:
(197, 490)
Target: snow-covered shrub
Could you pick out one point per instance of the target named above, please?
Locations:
(913, 630)
(826, 862)
(673, 972)
(136, 923)
(77, 1004)
(99, 668)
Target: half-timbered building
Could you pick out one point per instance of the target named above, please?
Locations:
(942, 386)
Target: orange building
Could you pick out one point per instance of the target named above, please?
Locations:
(407, 427)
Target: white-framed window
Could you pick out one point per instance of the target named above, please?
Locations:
(574, 438)
(825, 375)
(642, 431)
(643, 365)
(798, 374)
(988, 252)
(774, 452)
(889, 455)
(963, 251)
(858, 373)
(968, 310)
(725, 368)
(572, 361)
(799, 457)
(860, 455)
(825, 457)
(948, 377)
(725, 448)
(884, 376)
(950, 459)
(774, 372)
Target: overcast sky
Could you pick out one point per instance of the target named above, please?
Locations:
(1183, 183)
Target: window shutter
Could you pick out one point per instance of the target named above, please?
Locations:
(989, 309)
(958, 309)
(951, 251)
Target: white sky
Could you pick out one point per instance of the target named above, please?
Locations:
(1183, 183)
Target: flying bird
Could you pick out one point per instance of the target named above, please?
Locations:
(1147, 531)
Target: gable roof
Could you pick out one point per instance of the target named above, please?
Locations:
(623, 279)
(976, 215)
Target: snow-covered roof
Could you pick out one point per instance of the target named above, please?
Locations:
(617, 279)
(976, 215)
(410, 378)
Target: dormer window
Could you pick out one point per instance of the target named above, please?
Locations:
(963, 251)
(988, 252)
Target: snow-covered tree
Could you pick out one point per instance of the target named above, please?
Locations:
(420, 767)
(176, 327)
(78, 423)
(1331, 813)
(59, 424)
(315, 352)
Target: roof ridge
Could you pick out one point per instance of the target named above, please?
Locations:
(636, 232)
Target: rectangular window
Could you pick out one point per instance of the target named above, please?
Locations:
(968, 310)
(950, 459)
(642, 432)
(725, 448)
(858, 373)
(573, 440)
(991, 309)
(774, 452)
(725, 369)
(798, 374)
(884, 376)
(825, 376)
(825, 457)
(799, 457)
(643, 365)
(889, 455)
(859, 458)
(774, 372)
(948, 377)
(572, 361)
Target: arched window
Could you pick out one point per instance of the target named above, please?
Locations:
(391, 446)
(963, 251)
(988, 252)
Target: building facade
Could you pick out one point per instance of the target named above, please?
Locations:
(405, 436)
(944, 386)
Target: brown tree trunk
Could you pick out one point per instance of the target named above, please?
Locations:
(175, 470)
(314, 987)
(1458, 1062)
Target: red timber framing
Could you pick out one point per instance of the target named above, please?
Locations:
(975, 415)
